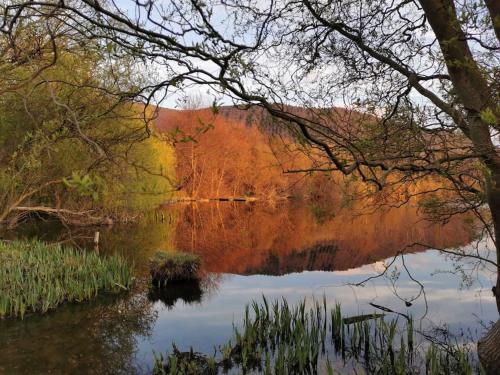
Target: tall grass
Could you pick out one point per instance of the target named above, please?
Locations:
(36, 277)
(279, 339)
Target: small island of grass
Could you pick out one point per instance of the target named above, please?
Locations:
(37, 277)
(171, 267)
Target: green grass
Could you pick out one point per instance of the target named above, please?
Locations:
(167, 267)
(280, 339)
(37, 277)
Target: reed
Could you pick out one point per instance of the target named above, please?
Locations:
(36, 277)
(168, 267)
(279, 339)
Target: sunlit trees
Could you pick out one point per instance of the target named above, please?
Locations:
(72, 144)
(222, 156)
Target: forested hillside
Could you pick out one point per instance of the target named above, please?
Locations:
(231, 152)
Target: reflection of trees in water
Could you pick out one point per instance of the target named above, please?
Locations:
(320, 257)
(119, 328)
(190, 292)
(247, 238)
(99, 337)
(210, 283)
(233, 238)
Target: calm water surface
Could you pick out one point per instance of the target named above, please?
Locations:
(287, 251)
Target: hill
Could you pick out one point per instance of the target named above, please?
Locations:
(237, 152)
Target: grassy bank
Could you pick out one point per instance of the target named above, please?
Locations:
(37, 277)
(281, 339)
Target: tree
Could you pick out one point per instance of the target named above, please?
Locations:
(72, 145)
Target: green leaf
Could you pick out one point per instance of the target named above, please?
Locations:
(488, 116)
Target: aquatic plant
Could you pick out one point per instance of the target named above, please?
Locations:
(186, 363)
(37, 277)
(279, 339)
(166, 267)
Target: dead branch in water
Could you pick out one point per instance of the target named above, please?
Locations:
(66, 216)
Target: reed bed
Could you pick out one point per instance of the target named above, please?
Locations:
(169, 267)
(37, 277)
(279, 339)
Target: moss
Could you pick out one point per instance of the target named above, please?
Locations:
(168, 267)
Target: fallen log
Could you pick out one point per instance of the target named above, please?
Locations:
(218, 199)
(81, 218)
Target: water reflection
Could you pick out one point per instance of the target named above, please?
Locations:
(187, 292)
(99, 338)
(259, 239)
(242, 246)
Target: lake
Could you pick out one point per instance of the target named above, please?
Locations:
(289, 250)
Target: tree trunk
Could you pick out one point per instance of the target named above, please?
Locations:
(475, 95)
(488, 350)
(493, 195)
(488, 347)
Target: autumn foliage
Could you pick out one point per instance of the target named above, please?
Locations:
(228, 154)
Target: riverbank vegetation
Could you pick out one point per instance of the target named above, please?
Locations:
(36, 277)
(73, 144)
(281, 339)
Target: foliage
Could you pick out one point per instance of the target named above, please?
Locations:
(70, 139)
(279, 339)
(36, 277)
(224, 156)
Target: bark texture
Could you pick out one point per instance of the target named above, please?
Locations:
(488, 349)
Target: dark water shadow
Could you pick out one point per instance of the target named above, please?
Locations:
(187, 291)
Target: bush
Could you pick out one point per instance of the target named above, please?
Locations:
(37, 277)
